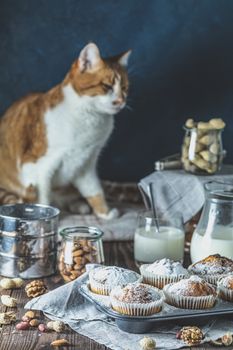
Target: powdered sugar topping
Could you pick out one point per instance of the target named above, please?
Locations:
(167, 267)
(191, 286)
(136, 293)
(112, 276)
(227, 282)
(212, 265)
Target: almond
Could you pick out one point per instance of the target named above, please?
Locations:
(60, 342)
(78, 252)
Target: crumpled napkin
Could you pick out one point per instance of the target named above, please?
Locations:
(121, 228)
(68, 305)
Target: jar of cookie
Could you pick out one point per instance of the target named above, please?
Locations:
(202, 150)
(80, 245)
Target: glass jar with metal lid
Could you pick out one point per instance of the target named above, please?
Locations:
(80, 245)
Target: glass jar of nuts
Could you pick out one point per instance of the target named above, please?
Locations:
(80, 246)
(202, 150)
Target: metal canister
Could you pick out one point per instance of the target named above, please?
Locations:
(28, 240)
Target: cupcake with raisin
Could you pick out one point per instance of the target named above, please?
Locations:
(104, 278)
(191, 293)
(162, 272)
(225, 288)
(137, 299)
(212, 268)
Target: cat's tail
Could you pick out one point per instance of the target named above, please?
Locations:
(7, 197)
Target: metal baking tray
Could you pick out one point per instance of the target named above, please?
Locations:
(141, 324)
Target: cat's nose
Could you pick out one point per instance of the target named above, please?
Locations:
(119, 101)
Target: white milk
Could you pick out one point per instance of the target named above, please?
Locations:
(219, 242)
(150, 245)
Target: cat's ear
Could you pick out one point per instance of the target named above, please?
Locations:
(89, 58)
(124, 58)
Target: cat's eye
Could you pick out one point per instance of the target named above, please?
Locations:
(107, 87)
(125, 88)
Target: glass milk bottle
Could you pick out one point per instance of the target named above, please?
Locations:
(151, 244)
(214, 232)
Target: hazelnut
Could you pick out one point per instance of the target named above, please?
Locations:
(147, 343)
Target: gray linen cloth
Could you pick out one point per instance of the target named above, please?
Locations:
(177, 191)
(67, 304)
(121, 228)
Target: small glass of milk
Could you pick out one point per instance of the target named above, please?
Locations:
(151, 244)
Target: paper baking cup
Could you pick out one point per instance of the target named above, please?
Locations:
(159, 281)
(225, 293)
(186, 302)
(213, 279)
(136, 309)
(100, 288)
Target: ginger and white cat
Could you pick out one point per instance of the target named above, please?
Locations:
(55, 138)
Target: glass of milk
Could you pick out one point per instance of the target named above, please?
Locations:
(151, 244)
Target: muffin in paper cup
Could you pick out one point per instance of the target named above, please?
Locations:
(212, 268)
(225, 288)
(163, 272)
(104, 278)
(192, 293)
(137, 299)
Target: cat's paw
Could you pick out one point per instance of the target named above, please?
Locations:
(112, 214)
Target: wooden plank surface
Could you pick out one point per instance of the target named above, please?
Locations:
(116, 253)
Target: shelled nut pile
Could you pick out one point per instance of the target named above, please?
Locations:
(74, 256)
(202, 146)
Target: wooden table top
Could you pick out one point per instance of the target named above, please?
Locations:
(116, 253)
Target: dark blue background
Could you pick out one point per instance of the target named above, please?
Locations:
(181, 66)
